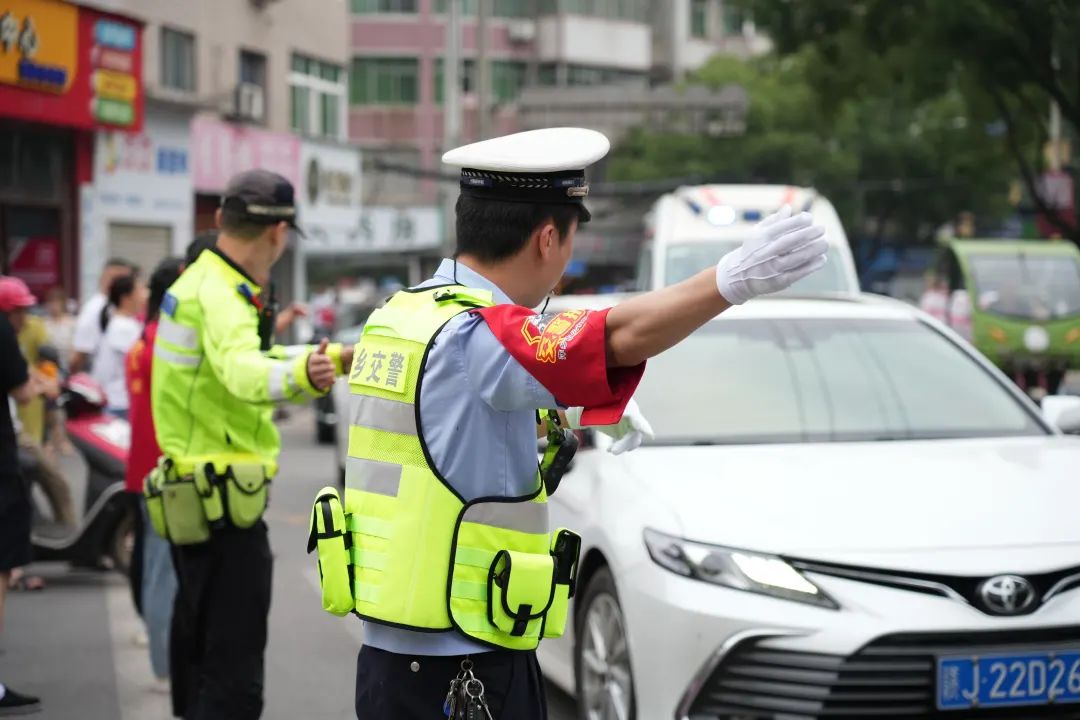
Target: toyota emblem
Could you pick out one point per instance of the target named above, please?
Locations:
(1007, 595)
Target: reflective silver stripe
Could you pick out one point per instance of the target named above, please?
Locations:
(529, 517)
(382, 414)
(291, 352)
(279, 371)
(175, 357)
(174, 333)
(373, 476)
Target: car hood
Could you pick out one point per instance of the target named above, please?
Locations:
(836, 500)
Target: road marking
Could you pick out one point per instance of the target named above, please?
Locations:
(131, 664)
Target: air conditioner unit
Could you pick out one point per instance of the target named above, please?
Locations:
(249, 102)
(522, 31)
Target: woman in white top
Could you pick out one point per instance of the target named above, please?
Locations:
(127, 301)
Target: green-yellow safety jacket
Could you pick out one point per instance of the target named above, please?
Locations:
(212, 387)
(406, 550)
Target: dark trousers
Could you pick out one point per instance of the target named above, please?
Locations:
(387, 688)
(218, 638)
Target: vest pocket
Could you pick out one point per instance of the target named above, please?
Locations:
(182, 506)
(520, 591)
(329, 537)
(155, 504)
(247, 490)
(565, 553)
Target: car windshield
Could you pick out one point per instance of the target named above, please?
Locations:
(687, 259)
(1034, 287)
(823, 380)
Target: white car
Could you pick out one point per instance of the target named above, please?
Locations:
(846, 512)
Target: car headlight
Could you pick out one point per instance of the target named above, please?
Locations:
(736, 569)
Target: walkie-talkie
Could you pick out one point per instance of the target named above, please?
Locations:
(267, 317)
(561, 448)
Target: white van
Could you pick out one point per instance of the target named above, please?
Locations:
(693, 227)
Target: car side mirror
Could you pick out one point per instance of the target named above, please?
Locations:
(1063, 411)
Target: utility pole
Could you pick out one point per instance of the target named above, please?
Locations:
(483, 70)
(451, 109)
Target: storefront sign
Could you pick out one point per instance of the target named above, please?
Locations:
(69, 65)
(145, 173)
(329, 193)
(223, 149)
(38, 44)
(383, 230)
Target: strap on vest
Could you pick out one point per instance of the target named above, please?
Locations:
(521, 620)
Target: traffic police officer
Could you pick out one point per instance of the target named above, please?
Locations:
(442, 544)
(215, 379)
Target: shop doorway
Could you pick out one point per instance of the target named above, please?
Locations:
(143, 245)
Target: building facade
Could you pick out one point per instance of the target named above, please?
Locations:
(539, 49)
(254, 82)
(67, 72)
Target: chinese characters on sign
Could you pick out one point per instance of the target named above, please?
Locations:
(382, 369)
(380, 229)
(38, 44)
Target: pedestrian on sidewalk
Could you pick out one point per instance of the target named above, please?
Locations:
(152, 575)
(90, 323)
(127, 302)
(17, 384)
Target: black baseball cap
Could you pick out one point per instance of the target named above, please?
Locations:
(262, 197)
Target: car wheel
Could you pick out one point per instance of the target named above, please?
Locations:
(605, 682)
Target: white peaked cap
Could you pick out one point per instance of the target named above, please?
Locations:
(533, 151)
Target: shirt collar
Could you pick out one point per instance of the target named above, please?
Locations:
(225, 262)
(470, 278)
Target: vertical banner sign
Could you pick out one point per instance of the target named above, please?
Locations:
(113, 84)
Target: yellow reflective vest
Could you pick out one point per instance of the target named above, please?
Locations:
(212, 388)
(419, 555)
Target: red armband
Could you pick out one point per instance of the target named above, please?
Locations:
(567, 353)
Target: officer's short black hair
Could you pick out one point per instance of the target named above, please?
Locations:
(241, 227)
(494, 230)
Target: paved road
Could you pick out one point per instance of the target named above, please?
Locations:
(72, 644)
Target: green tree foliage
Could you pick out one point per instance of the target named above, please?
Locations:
(1006, 60)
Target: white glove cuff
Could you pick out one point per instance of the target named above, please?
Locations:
(724, 280)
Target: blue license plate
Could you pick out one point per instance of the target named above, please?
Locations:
(1036, 678)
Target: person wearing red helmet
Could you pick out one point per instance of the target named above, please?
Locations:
(17, 384)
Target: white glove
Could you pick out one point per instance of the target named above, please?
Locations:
(782, 251)
(628, 433)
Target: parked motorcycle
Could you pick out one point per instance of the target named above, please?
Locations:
(104, 536)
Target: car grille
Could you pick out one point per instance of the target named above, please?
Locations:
(892, 677)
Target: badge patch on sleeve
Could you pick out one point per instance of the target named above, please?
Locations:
(551, 334)
(379, 367)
